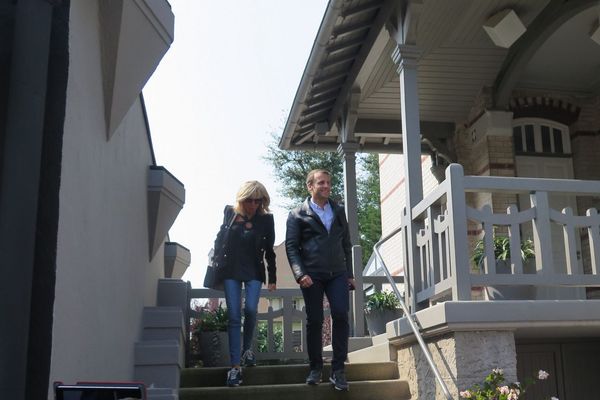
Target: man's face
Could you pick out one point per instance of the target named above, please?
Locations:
(320, 189)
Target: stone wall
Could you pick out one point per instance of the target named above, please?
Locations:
(463, 359)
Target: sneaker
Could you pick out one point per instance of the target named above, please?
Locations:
(338, 380)
(248, 358)
(314, 377)
(234, 377)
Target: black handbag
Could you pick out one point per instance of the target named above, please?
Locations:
(212, 279)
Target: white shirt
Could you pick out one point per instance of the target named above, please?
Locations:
(325, 213)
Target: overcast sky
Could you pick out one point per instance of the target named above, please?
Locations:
(225, 84)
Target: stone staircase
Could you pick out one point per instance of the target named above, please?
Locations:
(368, 381)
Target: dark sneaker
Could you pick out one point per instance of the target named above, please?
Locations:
(314, 377)
(234, 377)
(338, 380)
(248, 359)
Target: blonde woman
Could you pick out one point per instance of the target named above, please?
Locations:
(249, 243)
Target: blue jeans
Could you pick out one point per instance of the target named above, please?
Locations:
(336, 289)
(233, 298)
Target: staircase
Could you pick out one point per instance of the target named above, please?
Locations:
(368, 381)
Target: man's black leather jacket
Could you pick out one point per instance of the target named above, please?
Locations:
(310, 248)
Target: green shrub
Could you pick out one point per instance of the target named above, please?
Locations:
(213, 320)
(502, 249)
(262, 338)
(381, 300)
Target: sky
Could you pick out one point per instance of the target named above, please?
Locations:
(227, 82)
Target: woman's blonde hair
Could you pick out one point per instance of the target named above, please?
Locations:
(252, 190)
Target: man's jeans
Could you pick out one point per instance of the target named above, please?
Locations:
(233, 298)
(337, 292)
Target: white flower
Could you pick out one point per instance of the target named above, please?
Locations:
(504, 390)
(498, 371)
(512, 396)
(465, 394)
(543, 374)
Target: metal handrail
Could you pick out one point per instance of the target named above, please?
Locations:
(409, 316)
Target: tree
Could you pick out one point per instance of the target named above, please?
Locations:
(291, 167)
(369, 210)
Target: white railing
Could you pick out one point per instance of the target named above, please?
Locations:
(445, 269)
(412, 322)
(289, 319)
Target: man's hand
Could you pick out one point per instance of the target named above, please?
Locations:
(351, 284)
(272, 287)
(305, 281)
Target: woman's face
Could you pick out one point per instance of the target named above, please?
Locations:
(251, 205)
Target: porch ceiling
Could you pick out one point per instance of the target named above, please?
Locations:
(458, 61)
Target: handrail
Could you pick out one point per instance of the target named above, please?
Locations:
(409, 316)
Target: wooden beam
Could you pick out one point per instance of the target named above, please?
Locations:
(361, 9)
(344, 45)
(382, 16)
(350, 28)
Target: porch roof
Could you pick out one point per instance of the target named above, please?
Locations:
(353, 49)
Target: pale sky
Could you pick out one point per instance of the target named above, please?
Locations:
(225, 84)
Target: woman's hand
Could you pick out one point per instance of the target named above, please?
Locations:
(272, 287)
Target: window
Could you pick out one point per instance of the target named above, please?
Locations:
(539, 136)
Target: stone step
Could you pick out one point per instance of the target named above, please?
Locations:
(359, 390)
(376, 353)
(284, 374)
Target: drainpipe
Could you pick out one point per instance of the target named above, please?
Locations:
(20, 181)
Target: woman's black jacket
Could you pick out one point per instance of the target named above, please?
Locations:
(310, 248)
(265, 239)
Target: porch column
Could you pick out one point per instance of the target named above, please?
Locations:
(406, 57)
(348, 153)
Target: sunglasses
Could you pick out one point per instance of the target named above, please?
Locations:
(255, 201)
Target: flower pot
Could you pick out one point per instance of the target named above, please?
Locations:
(214, 349)
(508, 292)
(377, 319)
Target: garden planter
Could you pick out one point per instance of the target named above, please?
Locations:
(214, 347)
(376, 320)
(508, 292)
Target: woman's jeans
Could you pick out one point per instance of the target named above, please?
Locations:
(233, 298)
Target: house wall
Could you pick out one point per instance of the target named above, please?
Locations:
(104, 277)
(484, 146)
(393, 191)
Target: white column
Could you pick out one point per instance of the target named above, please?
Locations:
(406, 57)
(348, 152)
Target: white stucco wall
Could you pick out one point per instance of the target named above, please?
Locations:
(104, 277)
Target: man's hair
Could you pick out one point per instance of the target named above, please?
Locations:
(310, 178)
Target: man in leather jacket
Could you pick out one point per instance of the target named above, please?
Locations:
(319, 251)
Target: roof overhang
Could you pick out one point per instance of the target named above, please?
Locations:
(460, 65)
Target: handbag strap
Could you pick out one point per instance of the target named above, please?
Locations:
(232, 219)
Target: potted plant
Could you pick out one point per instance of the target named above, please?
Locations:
(381, 307)
(502, 254)
(212, 336)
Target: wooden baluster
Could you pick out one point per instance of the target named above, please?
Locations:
(570, 243)
(515, 240)
(542, 233)
(594, 235)
(489, 259)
